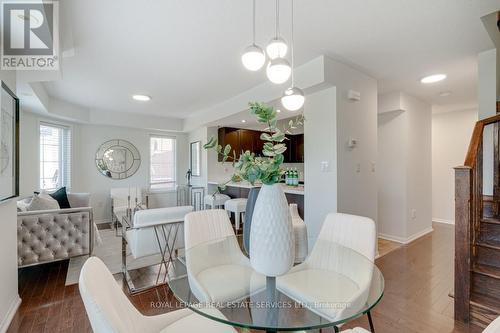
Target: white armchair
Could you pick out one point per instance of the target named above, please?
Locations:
(110, 311)
(222, 274)
(342, 273)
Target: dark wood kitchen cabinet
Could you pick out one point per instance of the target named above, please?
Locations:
(244, 139)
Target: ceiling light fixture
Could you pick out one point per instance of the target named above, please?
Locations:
(253, 58)
(293, 98)
(277, 47)
(433, 78)
(445, 93)
(141, 98)
(243, 121)
(278, 70)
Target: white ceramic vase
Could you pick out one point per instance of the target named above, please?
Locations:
(271, 235)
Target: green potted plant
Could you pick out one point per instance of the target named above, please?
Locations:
(271, 234)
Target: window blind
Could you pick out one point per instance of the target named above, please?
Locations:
(55, 156)
(162, 162)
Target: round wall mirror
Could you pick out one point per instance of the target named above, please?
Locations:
(117, 159)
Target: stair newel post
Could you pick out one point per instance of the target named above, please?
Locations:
(464, 212)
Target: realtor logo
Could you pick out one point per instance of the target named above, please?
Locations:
(30, 35)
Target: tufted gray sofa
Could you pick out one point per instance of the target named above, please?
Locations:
(51, 235)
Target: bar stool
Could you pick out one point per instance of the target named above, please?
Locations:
(216, 200)
(236, 206)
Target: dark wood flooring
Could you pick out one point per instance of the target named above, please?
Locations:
(418, 279)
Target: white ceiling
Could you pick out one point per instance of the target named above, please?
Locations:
(186, 54)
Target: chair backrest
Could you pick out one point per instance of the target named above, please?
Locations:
(108, 309)
(352, 231)
(206, 225)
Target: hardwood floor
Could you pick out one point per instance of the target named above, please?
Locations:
(418, 279)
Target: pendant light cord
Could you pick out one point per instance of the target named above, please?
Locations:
(277, 22)
(253, 18)
(292, 49)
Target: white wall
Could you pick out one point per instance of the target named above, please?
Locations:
(451, 133)
(419, 166)
(405, 167)
(85, 177)
(487, 97)
(357, 181)
(9, 298)
(320, 138)
(392, 169)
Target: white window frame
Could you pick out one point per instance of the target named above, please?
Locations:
(158, 186)
(55, 123)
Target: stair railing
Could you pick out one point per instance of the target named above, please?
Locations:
(468, 214)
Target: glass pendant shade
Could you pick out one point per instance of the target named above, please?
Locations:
(253, 58)
(277, 48)
(278, 71)
(293, 99)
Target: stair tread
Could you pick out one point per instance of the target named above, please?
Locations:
(485, 301)
(492, 220)
(488, 245)
(487, 270)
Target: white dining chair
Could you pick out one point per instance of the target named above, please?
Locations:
(220, 273)
(110, 311)
(331, 273)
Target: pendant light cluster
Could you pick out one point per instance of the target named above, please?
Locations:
(278, 69)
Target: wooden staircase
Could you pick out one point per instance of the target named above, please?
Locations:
(477, 232)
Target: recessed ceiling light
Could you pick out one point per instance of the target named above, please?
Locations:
(141, 98)
(433, 78)
(278, 110)
(445, 93)
(243, 121)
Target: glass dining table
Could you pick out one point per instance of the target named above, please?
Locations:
(333, 286)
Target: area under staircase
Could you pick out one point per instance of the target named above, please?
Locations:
(477, 227)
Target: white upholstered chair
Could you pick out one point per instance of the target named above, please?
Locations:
(216, 200)
(224, 274)
(110, 311)
(328, 267)
(300, 233)
(238, 207)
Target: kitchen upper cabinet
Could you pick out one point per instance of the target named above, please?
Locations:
(247, 141)
(298, 148)
(229, 136)
(244, 139)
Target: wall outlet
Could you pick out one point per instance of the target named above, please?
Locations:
(413, 214)
(358, 168)
(324, 166)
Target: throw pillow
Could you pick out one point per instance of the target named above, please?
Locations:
(22, 205)
(40, 202)
(62, 197)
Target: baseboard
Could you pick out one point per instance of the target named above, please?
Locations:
(4, 324)
(434, 219)
(407, 240)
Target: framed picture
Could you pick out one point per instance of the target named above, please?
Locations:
(195, 158)
(9, 144)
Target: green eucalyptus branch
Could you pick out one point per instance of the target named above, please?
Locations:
(266, 169)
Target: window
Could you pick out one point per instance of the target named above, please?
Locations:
(162, 161)
(55, 156)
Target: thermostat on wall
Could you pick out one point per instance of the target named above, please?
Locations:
(354, 95)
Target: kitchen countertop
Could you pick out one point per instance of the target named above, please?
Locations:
(287, 189)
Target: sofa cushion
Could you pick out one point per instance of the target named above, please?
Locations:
(62, 197)
(42, 202)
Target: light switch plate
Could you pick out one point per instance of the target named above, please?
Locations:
(325, 166)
